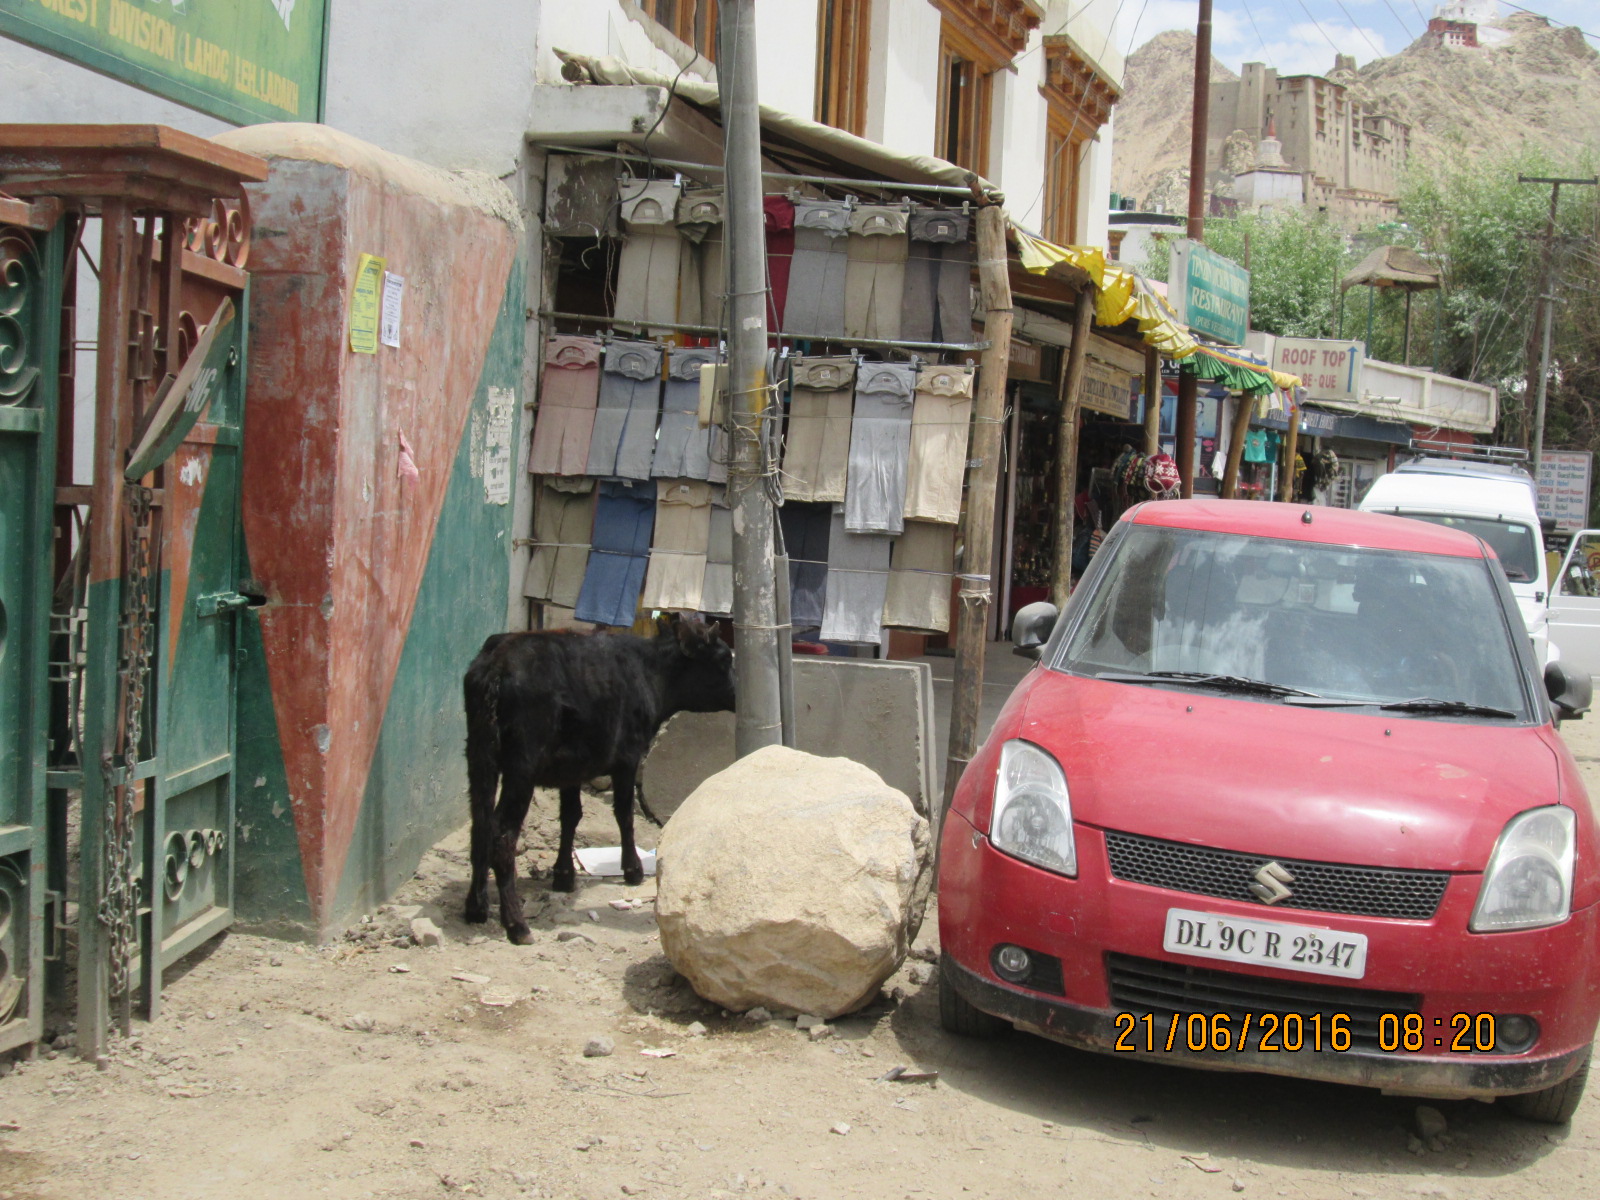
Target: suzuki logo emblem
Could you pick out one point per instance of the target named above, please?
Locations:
(1270, 882)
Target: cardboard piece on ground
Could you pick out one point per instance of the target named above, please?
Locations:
(607, 860)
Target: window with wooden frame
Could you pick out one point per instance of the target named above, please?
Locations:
(1062, 187)
(844, 31)
(1079, 99)
(692, 22)
(966, 94)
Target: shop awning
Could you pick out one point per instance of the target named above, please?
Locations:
(1238, 371)
(1317, 422)
(1121, 294)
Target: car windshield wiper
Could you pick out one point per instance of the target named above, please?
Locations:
(1223, 683)
(1464, 708)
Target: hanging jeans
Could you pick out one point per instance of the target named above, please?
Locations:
(625, 420)
(567, 397)
(700, 278)
(647, 271)
(717, 597)
(937, 305)
(677, 573)
(683, 449)
(563, 519)
(805, 538)
(623, 516)
(779, 214)
(875, 272)
(815, 305)
(816, 449)
(858, 582)
(880, 444)
(939, 420)
(919, 578)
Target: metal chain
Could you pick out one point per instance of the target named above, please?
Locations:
(119, 901)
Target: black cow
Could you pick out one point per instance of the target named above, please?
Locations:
(556, 709)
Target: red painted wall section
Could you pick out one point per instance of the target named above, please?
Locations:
(338, 534)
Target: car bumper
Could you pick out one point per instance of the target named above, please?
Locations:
(1552, 975)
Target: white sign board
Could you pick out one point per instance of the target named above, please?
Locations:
(1329, 370)
(1564, 487)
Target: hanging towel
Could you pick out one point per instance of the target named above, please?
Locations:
(625, 420)
(816, 450)
(939, 420)
(805, 537)
(815, 305)
(623, 516)
(880, 444)
(567, 397)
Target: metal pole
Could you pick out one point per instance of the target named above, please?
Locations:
(1188, 388)
(758, 720)
(972, 619)
(1070, 391)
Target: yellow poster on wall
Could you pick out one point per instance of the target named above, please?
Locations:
(364, 302)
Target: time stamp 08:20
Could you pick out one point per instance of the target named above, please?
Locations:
(1271, 1032)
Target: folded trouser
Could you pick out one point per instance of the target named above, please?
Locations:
(568, 393)
(717, 596)
(940, 416)
(858, 582)
(623, 520)
(806, 528)
(624, 437)
(677, 572)
(874, 284)
(920, 566)
(563, 517)
(816, 447)
(880, 447)
(683, 448)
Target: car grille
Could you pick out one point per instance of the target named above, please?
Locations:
(1142, 985)
(1319, 887)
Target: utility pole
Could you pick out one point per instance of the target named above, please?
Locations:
(1544, 314)
(758, 721)
(1188, 384)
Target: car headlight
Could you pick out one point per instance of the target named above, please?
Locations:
(1032, 818)
(1529, 880)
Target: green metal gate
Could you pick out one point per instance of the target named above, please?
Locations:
(30, 319)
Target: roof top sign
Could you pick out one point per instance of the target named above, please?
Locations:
(244, 61)
(1210, 293)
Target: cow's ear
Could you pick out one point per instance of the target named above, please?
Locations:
(691, 635)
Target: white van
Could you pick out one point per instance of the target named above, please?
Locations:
(1494, 501)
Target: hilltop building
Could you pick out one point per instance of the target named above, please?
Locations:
(1348, 154)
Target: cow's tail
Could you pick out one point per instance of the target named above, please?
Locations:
(482, 688)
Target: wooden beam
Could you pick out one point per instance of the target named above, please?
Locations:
(1071, 392)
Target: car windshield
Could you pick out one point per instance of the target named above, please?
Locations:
(1299, 623)
(1512, 541)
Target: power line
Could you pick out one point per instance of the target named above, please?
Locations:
(1358, 28)
(1552, 20)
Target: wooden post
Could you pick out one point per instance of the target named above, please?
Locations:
(1070, 392)
(1183, 431)
(1154, 393)
(1241, 430)
(977, 543)
(1291, 447)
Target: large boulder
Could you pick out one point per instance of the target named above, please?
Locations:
(792, 882)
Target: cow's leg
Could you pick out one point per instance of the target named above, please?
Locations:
(622, 785)
(565, 876)
(516, 793)
(483, 777)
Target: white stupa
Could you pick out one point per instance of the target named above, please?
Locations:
(1479, 12)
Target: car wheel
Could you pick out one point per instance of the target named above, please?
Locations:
(1555, 1104)
(961, 1018)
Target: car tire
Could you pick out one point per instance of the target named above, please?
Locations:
(961, 1018)
(1553, 1105)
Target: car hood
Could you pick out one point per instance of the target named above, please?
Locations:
(1291, 782)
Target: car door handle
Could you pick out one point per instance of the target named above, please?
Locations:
(220, 603)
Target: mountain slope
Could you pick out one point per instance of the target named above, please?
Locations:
(1151, 140)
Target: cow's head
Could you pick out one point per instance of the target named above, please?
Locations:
(700, 664)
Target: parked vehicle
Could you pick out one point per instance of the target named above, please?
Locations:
(1575, 603)
(1284, 771)
(1497, 502)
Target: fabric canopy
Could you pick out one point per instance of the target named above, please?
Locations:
(1237, 372)
(1120, 294)
(1393, 266)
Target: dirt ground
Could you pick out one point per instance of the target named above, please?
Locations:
(366, 1068)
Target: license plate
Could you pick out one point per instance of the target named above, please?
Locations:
(1307, 948)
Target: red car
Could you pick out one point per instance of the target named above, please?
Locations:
(1284, 794)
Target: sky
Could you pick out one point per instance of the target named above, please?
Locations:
(1298, 36)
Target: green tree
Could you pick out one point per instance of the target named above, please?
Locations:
(1296, 258)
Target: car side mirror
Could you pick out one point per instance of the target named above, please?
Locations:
(1031, 627)
(1570, 690)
